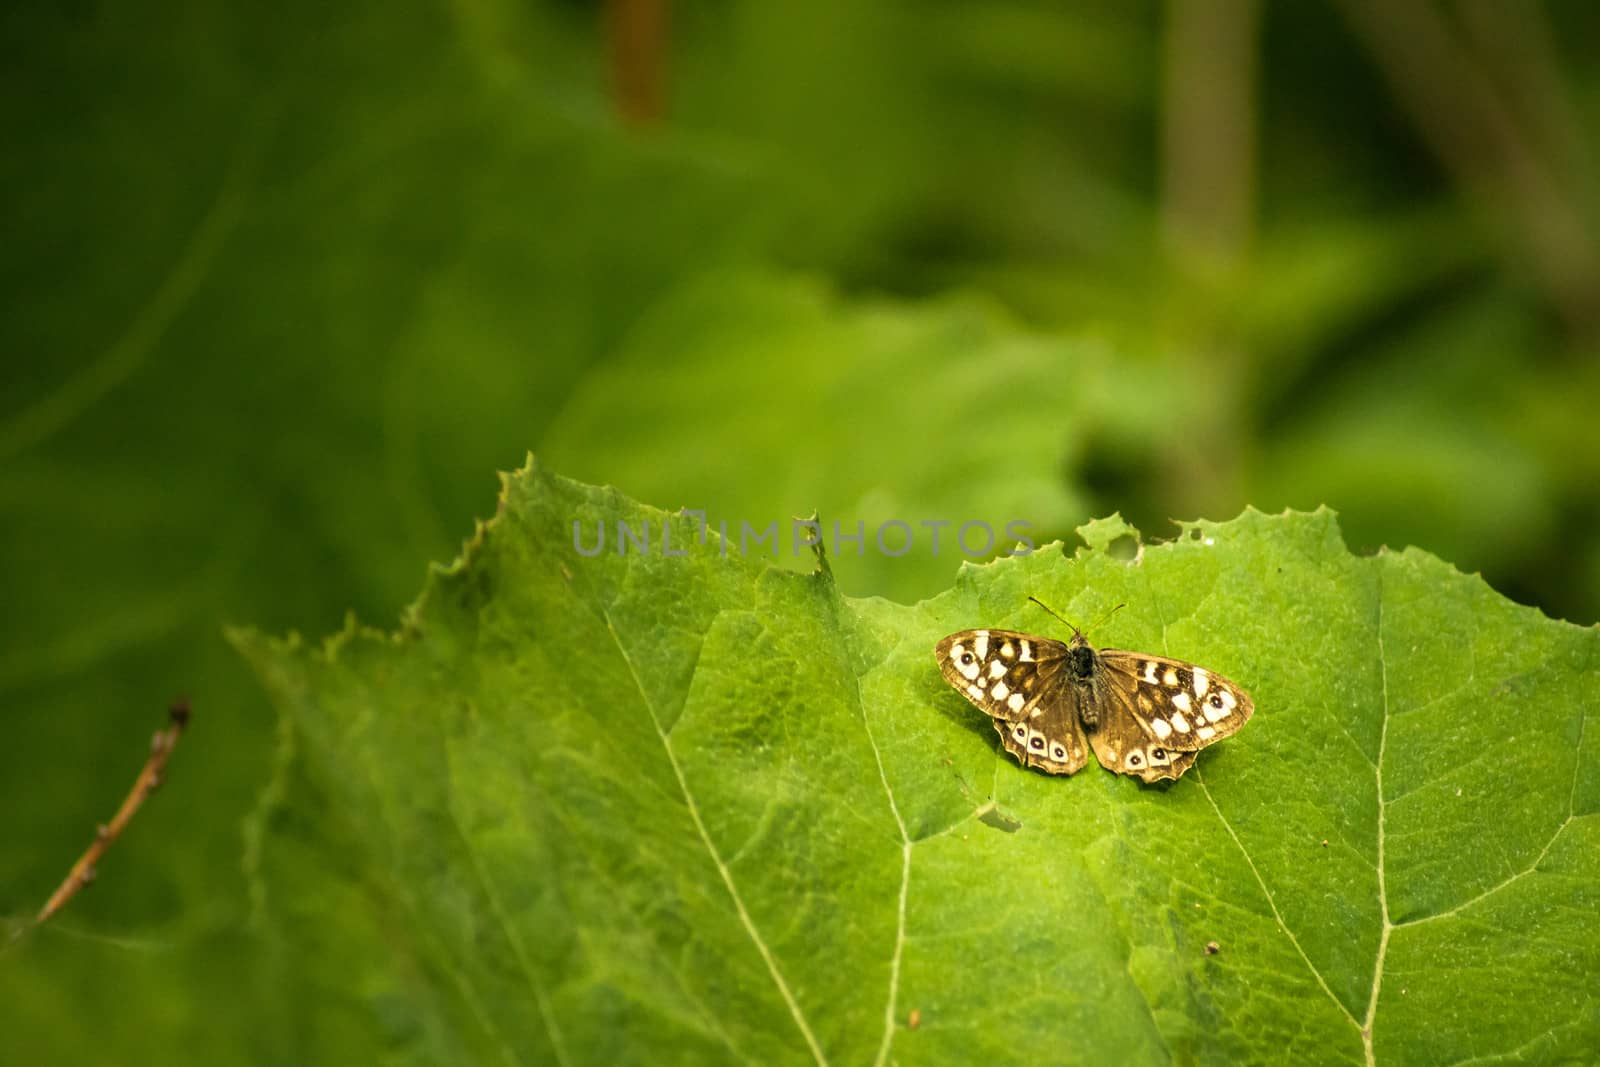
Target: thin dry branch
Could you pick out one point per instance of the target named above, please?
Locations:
(83, 872)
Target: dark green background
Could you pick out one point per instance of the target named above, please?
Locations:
(287, 284)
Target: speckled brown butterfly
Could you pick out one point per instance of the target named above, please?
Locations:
(1146, 716)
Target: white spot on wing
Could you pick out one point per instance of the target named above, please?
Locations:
(1163, 731)
(1149, 675)
(1008, 650)
(1170, 678)
(1016, 702)
(1027, 652)
(1202, 682)
(1180, 700)
(1207, 733)
(981, 645)
(997, 669)
(1179, 723)
(999, 692)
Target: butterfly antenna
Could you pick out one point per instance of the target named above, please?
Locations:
(1058, 618)
(1106, 616)
(1075, 630)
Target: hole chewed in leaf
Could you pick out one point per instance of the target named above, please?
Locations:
(1113, 536)
(1125, 548)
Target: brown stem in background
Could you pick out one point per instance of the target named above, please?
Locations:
(636, 32)
(1208, 208)
(1474, 127)
(1208, 131)
(82, 873)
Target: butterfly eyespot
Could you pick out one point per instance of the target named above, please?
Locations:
(1158, 753)
(1059, 753)
(1215, 700)
(1038, 743)
(967, 658)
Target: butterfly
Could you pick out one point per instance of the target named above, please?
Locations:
(1051, 701)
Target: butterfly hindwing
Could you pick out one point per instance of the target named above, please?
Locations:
(1159, 712)
(1017, 680)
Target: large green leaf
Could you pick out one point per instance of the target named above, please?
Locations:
(698, 808)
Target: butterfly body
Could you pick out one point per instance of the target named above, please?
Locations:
(1051, 701)
(1083, 671)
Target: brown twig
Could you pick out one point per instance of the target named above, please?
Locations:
(637, 33)
(82, 873)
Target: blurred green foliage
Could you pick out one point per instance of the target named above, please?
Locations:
(286, 283)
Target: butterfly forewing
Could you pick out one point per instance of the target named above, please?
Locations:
(1017, 679)
(1144, 715)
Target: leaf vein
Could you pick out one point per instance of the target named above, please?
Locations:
(458, 976)
(716, 858)
(540, 997)
(905, 883)
(1248, 859)
(1271, 901)
(1383, 891)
